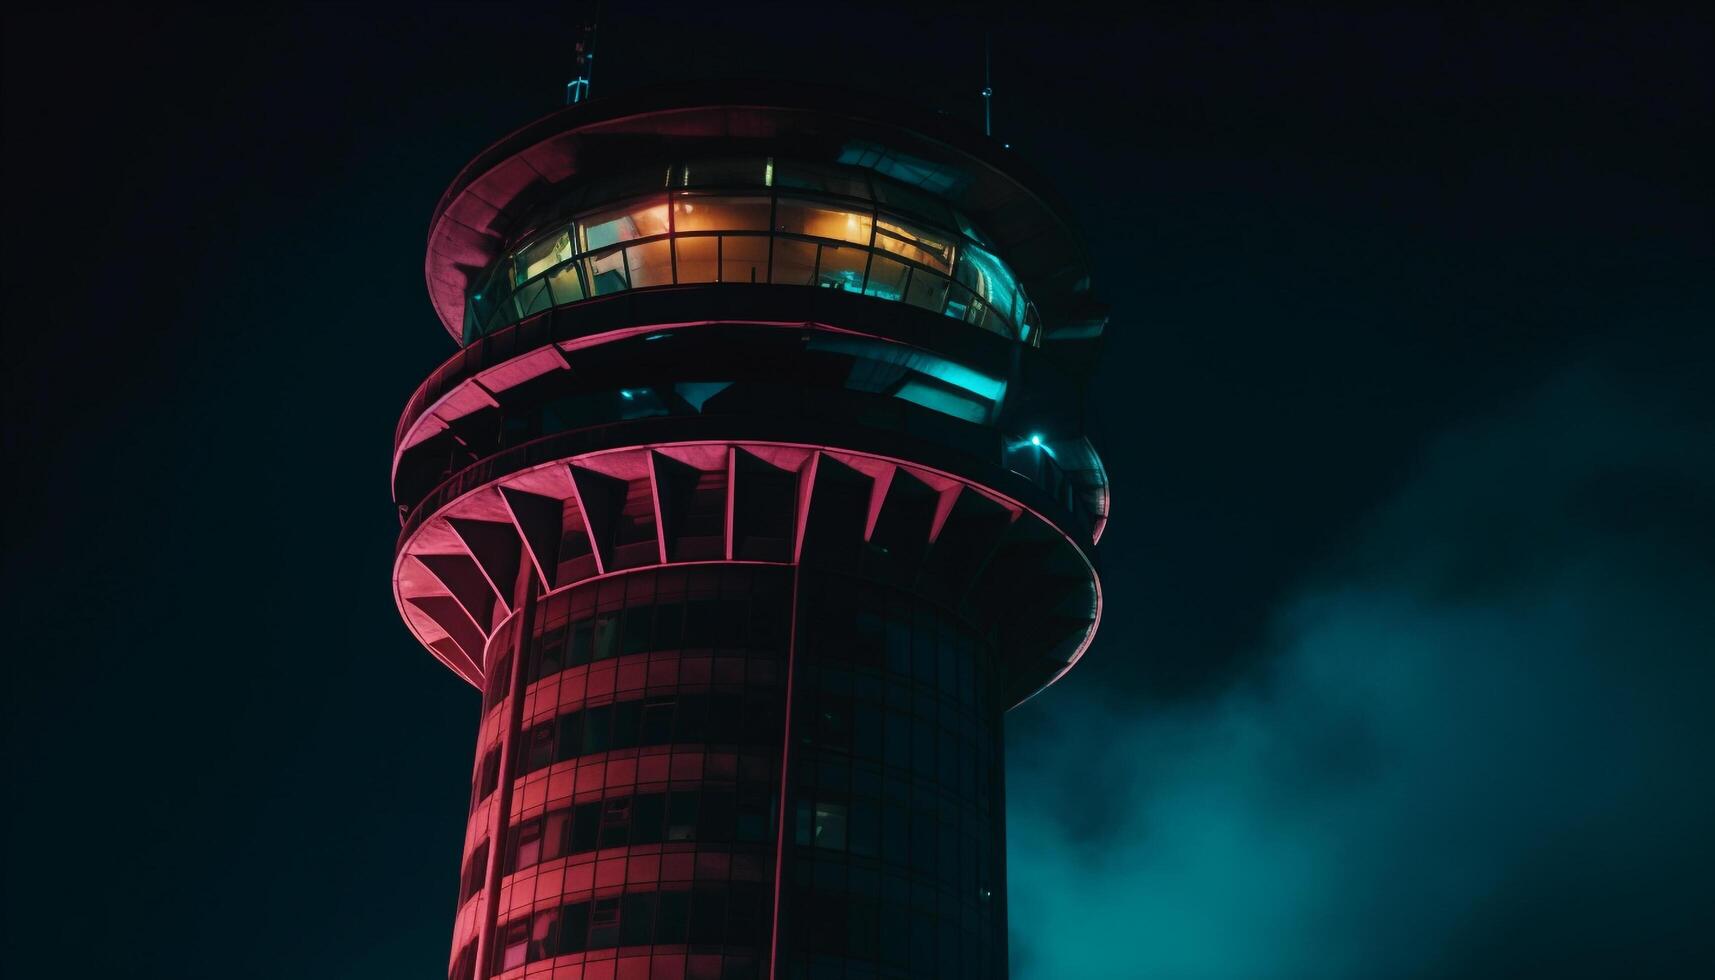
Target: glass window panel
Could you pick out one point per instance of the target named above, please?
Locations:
(624, 224)
(794, 262)
(830, 826)
(657, 723)
(744, 258)
(565, 284)
(721, 214)
(842, 268)
(865, 827)
(540, 749)
(926, 290)
(914, 243)
(533, 298)
(549, 655)
(598, 728)
(571, 741)
(515, 945)
(607, 273)
(616, 822)
(604, 923)
(586, 825)
(718, 817)
(983, 315)
(639, 629)
(557, 836)
(691, 719)
(682, 816)
(886, 278)
(672, 915)
(606, 635)
(627, 717)
(542, 935)
(958, 301)
(669, 625)
(529, 844)
(698, 259)
(701, 623)
(822, 221)
(650, 265)
(637, 920)
(987, 277)
(708, 916)
(583, 644)
(755, 818)
(543, 255)
(648, 816)
(574, 927)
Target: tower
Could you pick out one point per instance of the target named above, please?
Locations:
(755, 495)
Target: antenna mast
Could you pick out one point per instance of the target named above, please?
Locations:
(578, 89)
(988, 90)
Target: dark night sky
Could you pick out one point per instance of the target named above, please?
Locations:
(1409, 650)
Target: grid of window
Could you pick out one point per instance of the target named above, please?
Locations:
(754, 221)
(744, 814)
(734, 914)
(723, 719)
(896, 807)
(698, 608)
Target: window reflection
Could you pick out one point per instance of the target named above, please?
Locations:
(692, 214)
(840, 240)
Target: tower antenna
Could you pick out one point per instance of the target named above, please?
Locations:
(988, 89)
(578, 89)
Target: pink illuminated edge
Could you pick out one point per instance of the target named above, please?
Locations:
(1095, 578)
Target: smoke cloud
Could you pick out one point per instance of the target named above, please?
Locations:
(1477, 742)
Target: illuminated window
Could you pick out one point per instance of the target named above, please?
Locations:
(842, 267)
(650, 265)
(698, 258)
(915, 244)
(694, 214)
(622, 225)
(799, 217)
(607, 273)
(737, 237)
(544, 255)
(744, 258)
(830, 826)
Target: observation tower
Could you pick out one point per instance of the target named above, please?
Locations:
(755, 494)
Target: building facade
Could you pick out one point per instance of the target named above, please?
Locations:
(755, 495)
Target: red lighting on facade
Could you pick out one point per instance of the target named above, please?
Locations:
(731, 520)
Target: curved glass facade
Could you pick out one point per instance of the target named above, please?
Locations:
(756, 221)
